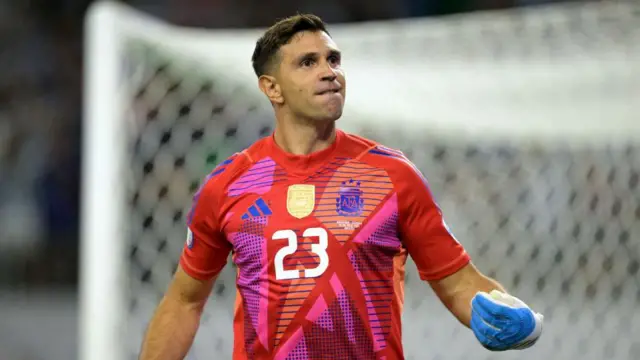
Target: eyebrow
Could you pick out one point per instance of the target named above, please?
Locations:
(335, 52)
(315, 55)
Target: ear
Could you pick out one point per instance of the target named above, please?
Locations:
(270, 87)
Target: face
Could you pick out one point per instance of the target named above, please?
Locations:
(310, 77)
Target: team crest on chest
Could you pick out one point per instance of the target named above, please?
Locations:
(301, 200)
(350, 201)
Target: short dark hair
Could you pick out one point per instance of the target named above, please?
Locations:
(280, 34)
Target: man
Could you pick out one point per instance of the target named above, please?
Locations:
(320, 224)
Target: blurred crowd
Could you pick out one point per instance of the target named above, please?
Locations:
(251, 13)
(40, 109)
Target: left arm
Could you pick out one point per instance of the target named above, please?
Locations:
(498, 320)
(457, 290)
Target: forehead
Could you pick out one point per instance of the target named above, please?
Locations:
(307, 41)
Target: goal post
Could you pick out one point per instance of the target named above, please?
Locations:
(524, 121)
(102, 301)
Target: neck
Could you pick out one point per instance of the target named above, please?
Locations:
(303, 137)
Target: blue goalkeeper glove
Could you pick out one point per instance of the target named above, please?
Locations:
(503, 322)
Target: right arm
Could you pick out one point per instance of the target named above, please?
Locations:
(175, 322)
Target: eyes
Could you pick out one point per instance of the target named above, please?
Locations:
(307, 62)
(333, 60)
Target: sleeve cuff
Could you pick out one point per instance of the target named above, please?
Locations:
(197, 274)
(449, 269)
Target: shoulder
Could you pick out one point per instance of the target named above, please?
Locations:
(221, 174)
(232, 168)
(393, 161)
(358, 143)
(225, 172)
(408, 180)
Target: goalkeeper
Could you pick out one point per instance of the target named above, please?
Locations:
(320, 223)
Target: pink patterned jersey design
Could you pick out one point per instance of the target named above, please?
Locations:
(320, 242)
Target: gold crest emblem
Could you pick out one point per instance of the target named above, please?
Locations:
(301, 199)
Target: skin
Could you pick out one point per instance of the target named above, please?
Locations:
(305, 116)
(306, 86)
(176, 320)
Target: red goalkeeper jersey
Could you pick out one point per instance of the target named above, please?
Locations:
(320, 242)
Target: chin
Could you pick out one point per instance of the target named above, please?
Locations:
(337, 115)
(333, 113)
(330, 116)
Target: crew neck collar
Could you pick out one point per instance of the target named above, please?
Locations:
(302, 164)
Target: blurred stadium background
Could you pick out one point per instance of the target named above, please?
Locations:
(520, 112)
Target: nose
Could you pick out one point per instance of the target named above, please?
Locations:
(328, 73)
(329, 77)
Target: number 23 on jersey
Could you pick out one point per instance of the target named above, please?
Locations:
(319, 248)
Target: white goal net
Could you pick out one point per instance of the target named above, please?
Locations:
(526, 124)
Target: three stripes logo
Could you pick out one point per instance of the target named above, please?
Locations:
(259, 208)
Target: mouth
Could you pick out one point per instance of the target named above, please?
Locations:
(329, 91)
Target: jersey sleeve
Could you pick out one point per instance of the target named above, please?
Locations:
(206, 250)
(430, 244)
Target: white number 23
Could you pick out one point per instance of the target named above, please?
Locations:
(319, 249)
